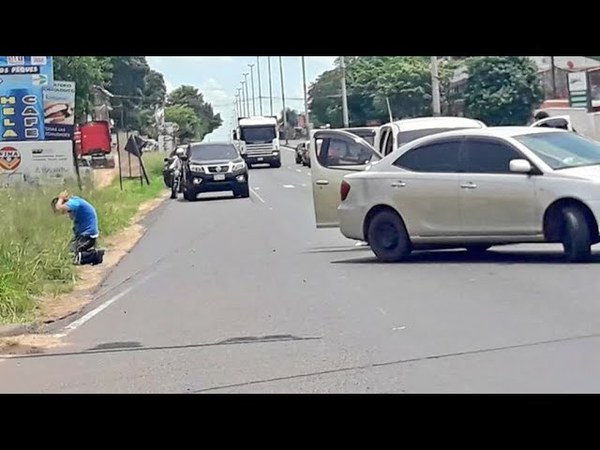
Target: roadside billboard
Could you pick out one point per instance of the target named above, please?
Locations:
(59, 111)
(36, 162)
(22, 79)
(20, 71)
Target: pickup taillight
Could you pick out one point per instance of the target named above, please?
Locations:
(344, 190)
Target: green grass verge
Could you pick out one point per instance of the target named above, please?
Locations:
(34, 255)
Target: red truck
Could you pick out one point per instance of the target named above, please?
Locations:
(93, 141)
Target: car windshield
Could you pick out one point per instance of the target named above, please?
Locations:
(368, 136)
(562, 150)
(258, 134)
(404, 137)
(213, 152)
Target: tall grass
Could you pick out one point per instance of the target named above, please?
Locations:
(34, 254)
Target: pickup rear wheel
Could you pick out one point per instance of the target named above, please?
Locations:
(388, 237)
(576, 236)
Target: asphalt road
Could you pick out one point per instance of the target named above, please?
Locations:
(246, 295)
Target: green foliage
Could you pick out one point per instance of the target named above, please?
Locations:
(403, 80)
(291, 116)
(85, 71)
(34, 255)
(502, 90)
(128, 82)
(190, 125)
(185, 99)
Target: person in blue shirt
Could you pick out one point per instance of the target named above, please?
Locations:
(85, 225)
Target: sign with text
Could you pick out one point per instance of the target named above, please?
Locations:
(23, 71)
(21, 114)
(59, 111)
(36, 162)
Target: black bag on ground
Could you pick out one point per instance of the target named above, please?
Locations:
(91, 256)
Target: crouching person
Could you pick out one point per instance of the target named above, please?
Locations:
(85, 228)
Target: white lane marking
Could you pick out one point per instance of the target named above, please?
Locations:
(257, 196)
(257, 188)
(398, 328)
(83, 319)
(289, 186)
(382, 311)
(298, 170)
(303, 185)
(308, 173)
(289, 167)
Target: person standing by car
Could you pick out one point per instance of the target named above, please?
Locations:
(176, 169)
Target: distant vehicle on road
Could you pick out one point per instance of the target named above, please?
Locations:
(471, 188)
(258, 140)
(214, 167)
(393, 135)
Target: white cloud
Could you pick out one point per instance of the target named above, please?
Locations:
(169, 85)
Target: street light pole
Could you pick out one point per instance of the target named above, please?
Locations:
(252, 81)
(344, 93)
(435, 87)
(306, 117)
(259, 88)
(284, 114)
(553, 73)
(270, 85)
(241, 101)
(247, 96)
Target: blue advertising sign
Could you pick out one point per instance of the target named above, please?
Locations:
(21, 114)
(59, 111)
(22, 71)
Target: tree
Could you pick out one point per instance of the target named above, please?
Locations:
(128, 83)
(85, 71)
(190, 125)
(324, 96)
(291, 116)
(502, 90)
(192, 98)
(155, 90)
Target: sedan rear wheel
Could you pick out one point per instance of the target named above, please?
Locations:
(388, 237)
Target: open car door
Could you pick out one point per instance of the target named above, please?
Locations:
(562, 122)
(334, 154)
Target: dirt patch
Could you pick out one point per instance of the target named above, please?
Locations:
(104, 177)
(90, 277)
(28, 344)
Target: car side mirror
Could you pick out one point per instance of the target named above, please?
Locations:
(520, 166)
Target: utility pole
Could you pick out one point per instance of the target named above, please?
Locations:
(270, 85)
(344, 93)
(247, 96)
(435, 87)
(240, 95)
(260, 99)
(552, 71)
(306, 115)
(252, 81)
(283, 99)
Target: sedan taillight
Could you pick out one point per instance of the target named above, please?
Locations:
(344, 190)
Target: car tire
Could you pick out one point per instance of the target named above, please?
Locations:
(187, 196)
(576, 236)
(388, 237)
(243, 192)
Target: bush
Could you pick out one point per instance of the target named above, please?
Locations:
(34, 254)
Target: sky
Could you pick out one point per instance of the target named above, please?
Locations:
(219, 77)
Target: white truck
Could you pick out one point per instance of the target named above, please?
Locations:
(258, 140)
